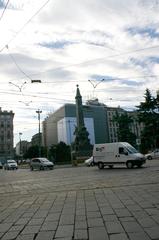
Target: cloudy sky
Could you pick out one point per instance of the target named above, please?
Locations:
(65, 43)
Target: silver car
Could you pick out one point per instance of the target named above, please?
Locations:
(151, 155)
(10, 164)
(41, 164)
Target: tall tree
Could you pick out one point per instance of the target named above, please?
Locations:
(148, 114)
(124, 132)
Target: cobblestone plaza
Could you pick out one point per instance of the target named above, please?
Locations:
(80, 203)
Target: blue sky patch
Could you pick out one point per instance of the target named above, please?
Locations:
(55, 45)
(149, 31)
(100, 77)
(124, 81)
(1, 4)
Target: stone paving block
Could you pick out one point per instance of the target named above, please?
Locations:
(66, 219)
(28, 215)
(122, 213)
(138, 236)
(155, 218)
(139, 214)
(110, 218)
(153, 232)
(64, 231)
(132, 227)
(4, 227)
(96, 233)
(16, 228)
(114, 227)
(127, 219)
(95, 214)
(147, 222)
(1, 234)
(10, 235)
(152, 211)
(134, 207)
(81, 212)
(48, 226)
(31, 229)
(22, 221)
(120, 236)
(41, 214)
(45, 235)
(80, 225)
(106, 210)
(95, 222)
(80, 234)
(52, 217)
(36, 221)
(26, 237)
(80, 218)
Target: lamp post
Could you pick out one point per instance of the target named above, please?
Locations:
(20, 146)
(38, 112)
(70, 140)
(95, 84)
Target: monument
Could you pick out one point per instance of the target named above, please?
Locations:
(81, 145)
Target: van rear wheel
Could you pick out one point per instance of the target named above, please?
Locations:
(129, 165)
(100, 165)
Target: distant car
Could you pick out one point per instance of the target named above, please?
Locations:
(1, 166)
(10, 164)
(41, 164)
(151, 155)
(89, 162)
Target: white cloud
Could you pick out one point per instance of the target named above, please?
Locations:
(68, 42)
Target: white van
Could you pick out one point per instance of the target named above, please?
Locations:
(110, 154)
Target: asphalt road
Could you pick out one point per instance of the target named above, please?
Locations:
(80, 203)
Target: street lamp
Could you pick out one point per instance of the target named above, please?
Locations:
(95, 84)
(20, 145)
(70, 139)
(38, 112)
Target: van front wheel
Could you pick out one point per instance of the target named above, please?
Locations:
(100, 165)
(129, 165)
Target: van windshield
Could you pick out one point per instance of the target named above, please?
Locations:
(130, 148)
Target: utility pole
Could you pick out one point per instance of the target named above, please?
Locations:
(20, 146)
(39, 112)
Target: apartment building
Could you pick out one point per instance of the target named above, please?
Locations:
(6, 135)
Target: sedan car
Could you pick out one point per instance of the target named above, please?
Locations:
(41, 164)
(10, 164)
(89, 162)
(151, 155)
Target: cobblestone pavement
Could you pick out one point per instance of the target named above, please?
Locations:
(80, 203)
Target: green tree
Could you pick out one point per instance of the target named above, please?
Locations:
(60, 153)
(33, 151)
(149, 116)
(124, 133)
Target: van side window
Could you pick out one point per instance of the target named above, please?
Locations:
(121, 150)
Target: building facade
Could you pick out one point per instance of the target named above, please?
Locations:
(6, 135)
(98, 118)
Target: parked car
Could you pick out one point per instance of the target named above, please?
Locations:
(41, 164)
(10, 164)
(153, 154)
(1, 166)
(89, 162)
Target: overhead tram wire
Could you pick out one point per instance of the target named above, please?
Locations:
(15, 62)
(97, 60)
(21, 29)
(4, 10)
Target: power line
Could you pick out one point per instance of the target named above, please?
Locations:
(15, 62)
(21, 29)
(4, 10)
